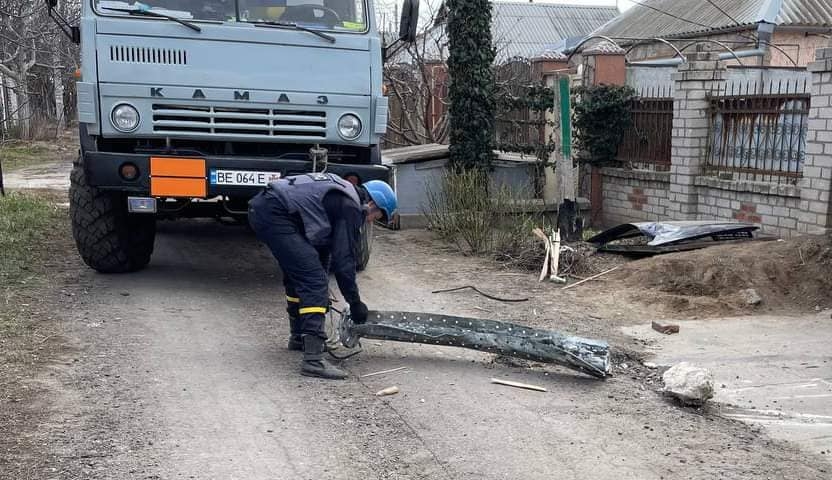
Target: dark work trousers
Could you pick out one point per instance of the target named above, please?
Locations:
(292, 297)
(300, 261)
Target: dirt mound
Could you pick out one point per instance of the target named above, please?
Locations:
(789, 274)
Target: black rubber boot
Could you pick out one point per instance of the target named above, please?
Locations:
(314, 363)
(295, 338)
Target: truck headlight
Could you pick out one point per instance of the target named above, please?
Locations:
(349, 126)
(125, 118)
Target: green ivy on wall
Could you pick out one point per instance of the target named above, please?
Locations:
(601, 117)
(471, 111)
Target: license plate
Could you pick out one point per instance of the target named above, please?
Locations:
(247, 178)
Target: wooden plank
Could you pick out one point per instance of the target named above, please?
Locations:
(526, 386)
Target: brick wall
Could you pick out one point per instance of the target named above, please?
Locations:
(634, 196)
(774, 208)
(688, 192)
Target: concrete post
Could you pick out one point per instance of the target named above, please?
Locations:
(693, 80)
(606, 65)
(815, 213)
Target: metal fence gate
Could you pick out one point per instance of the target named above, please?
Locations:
(647, 143)
(758, 131)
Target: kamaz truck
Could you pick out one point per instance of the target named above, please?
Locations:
(187, 108)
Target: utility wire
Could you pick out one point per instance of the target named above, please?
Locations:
(724, 13)
(677, 17)
(709, 27)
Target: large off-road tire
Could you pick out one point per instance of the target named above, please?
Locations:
(364, 247)
(109, 239)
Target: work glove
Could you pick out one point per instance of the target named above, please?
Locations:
(358, 312)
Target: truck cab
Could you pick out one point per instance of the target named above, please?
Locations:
(190, 107)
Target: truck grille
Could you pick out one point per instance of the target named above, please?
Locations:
(131, 54)
(238, 122)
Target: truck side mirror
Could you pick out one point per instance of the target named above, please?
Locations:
(410, 20)
(73, 32)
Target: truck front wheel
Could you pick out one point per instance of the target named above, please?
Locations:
(364, 247)
(109, 239)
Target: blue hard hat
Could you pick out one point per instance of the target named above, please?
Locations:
(384, 197)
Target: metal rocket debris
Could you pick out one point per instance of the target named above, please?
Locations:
(584, 355)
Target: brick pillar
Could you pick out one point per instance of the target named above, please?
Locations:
(548, 63)
(693, 80)
(606, 64)
(815, 215)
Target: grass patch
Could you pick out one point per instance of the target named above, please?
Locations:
(28, 226)
(27, 223)
(19, 155)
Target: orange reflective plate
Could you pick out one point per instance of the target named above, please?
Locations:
(177, 187)
(177, 167)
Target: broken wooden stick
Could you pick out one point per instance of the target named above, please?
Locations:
(591, 278)
(382, 372)
(387, 391)
(527, 386)
(545, 270)
(554, 264)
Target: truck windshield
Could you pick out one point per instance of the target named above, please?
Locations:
(338, 15)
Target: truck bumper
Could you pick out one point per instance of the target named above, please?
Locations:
(103, 171)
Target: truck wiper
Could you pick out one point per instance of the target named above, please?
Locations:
(295, 26)
(151, 13)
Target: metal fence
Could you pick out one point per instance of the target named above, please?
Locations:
(517, 127)
(758, 131)
(646, 144)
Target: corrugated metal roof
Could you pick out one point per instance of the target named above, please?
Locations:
(814, 13)
(523, 29)
(686, 17)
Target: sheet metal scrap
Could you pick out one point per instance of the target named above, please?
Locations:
(588, 356)
(664, 237)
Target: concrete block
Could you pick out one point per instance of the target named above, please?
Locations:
(781, 211)
(692, 113)
(814, 148)
(819, 184)
(697, 127)
(824, 135)
(819, 207)
(764, 209)
(820, 65)
(811, 172)
(788, 222)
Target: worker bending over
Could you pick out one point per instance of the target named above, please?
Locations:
(312, 223)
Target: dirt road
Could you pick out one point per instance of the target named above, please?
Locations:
(180, 371)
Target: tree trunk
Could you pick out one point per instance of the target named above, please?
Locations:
(10, 87)
(58, 86)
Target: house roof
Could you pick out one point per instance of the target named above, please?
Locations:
(677, 18)
(525, 29)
